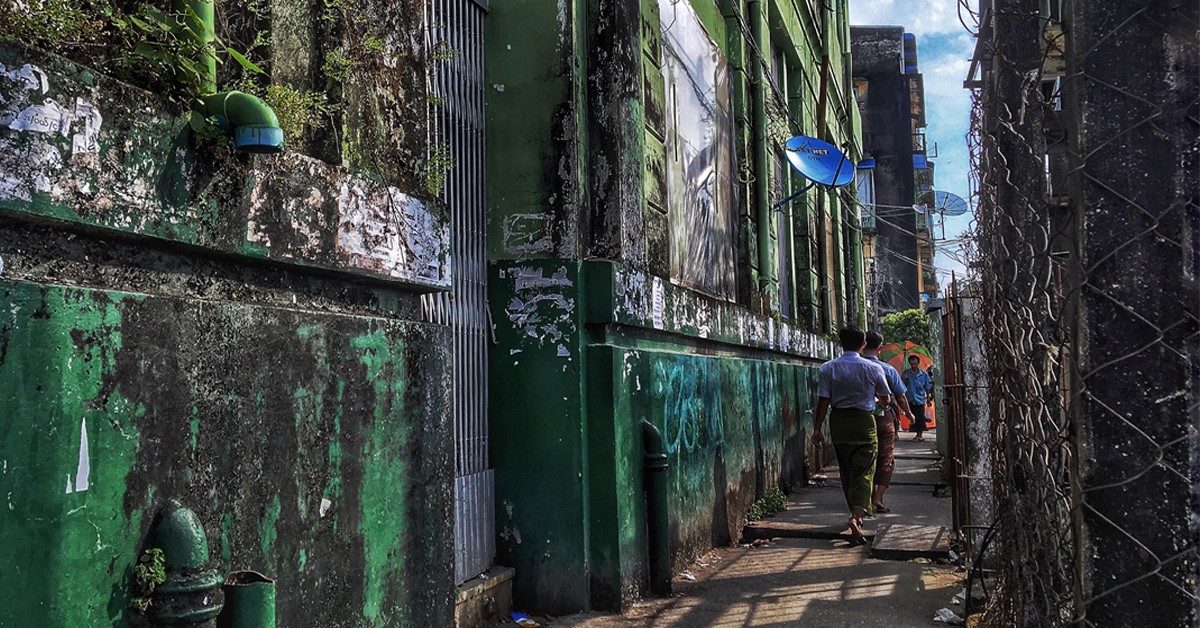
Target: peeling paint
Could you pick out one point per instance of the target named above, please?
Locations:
(526, 233)
(384, 230)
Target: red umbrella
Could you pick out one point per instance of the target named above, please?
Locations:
(897, 356)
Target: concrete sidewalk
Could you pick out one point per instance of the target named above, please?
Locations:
(809, 575)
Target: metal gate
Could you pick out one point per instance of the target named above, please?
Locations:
(955, 417)
(456, 123)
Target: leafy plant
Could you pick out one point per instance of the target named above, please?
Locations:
(443, 51)
(149, 572)
(440, 162)
(909, 325)
(771, 504)
(337, 66)
(180, 43)
(296, 110)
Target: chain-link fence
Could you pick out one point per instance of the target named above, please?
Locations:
(1084, 143)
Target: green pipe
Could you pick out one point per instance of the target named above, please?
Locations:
(190, 595)
(249, 601)
(658, 529)
(758, 129)
(253, 124)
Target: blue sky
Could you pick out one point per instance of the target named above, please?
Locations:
(944, 50)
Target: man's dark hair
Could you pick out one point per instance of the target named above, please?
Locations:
(874, 339)
(913, 357)
(852, 338)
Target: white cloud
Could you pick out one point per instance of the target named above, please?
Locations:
(927, 17)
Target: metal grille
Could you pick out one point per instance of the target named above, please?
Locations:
(455, 41)
(1085, 142)
(955, 416)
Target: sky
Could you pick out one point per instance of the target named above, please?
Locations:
(944, 48)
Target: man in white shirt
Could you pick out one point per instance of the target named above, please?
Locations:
(852, 386)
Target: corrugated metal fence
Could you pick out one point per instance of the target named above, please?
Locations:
(456, 120)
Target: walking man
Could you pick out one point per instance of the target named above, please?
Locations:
(851, 386)
(885, 422)
(919, 384)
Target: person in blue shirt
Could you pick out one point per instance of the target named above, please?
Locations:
(852, 386)
(885, 422)
(919, 385)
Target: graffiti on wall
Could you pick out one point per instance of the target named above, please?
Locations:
(691, 394)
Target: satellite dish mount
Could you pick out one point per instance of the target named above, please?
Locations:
(818, 161)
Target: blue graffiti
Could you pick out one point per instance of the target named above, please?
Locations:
(691, 392)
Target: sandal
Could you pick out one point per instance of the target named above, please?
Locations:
(881, 508)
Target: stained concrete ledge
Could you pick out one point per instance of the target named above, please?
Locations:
(484, 599)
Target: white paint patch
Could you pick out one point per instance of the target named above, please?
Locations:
(383, 230)
(514, 351)
(325, 505)
(30, 75)
(84, 469)
(87, 142)
(563, 352)
(535, 278)
(48, 117)
(657, 303)
(525, 233)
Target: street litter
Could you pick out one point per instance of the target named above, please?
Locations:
(760, 542)
(687, 576)
(923, 561)
(948, 616)
(958, 600)
(523, 620)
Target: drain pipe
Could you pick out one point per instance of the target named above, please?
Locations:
(253, 124)
(249, 601)
(658, 531)
(758, 129)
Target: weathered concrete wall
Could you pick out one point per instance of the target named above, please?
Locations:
(1135, 191)
(314, 447)
(239, 333)
(82, 148)
(579, 363)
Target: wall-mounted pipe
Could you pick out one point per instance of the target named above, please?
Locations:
(191, 595)
(658, 529)
(249, 601)
(758, 131)
(253, 124)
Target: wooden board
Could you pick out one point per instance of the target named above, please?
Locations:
(906, 542)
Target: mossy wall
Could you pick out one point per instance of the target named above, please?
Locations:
(241, 333)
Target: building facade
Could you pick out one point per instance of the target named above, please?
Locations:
(896, 174)
(648, 290)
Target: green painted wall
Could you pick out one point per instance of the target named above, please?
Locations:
(577, 365)
(590, 337)
(181, 321)
(314, 447)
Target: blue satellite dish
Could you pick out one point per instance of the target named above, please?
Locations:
(819, 161)
(950, 204)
